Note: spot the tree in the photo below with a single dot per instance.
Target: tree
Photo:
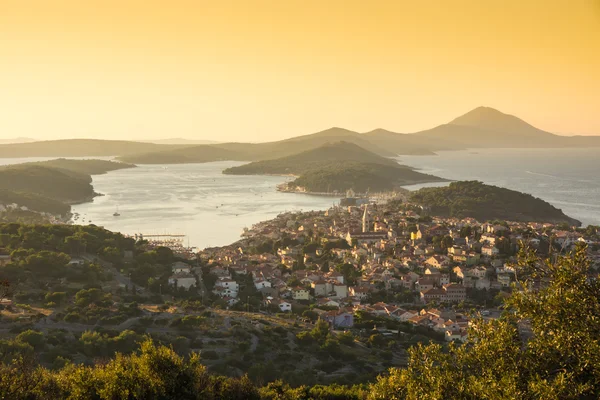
(560, 359)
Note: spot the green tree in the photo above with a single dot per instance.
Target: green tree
(558, 359)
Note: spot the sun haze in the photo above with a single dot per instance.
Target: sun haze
(265, 70)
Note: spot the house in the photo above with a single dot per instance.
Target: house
(460, 272)
(327, 303)
(284, 306)
(455, 293)
(359, 237)
(403, 317)
(230, 300)
(300, 294)
(433, 294)
(226, 287)
(360, 292)
(182, 279)
(339, 319)
(320, 287)
(504, 280)
(490, 251)
(341, 291)
(424, 284)
(336, 275)
(456, 335)
(478, 272)
(180, 267)
(76, 261)
(488, 238)
(450, 293)
(437, 261)
(261, 284)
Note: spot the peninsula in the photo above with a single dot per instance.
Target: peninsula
(486, 202)
(50, 186)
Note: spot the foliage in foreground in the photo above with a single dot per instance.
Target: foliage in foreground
(546, 347)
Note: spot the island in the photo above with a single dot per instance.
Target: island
(486, 202)
(335, 168)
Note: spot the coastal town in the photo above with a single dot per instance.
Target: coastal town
(347, 292)
(388, 260)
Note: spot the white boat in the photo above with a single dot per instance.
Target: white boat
(116, 213)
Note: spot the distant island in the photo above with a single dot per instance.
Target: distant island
(51, 186)
(337, 167)
(486, 202)
(482, 127)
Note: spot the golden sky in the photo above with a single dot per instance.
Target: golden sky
(263, 70)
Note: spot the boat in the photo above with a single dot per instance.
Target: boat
(116, 213)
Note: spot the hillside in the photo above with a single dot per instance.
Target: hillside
(407, 144)
(49, 186)
(485, 202)
(336, 167)
(253, 151)
(88, 167)
(485, 127)
(187, 155)
(53, 183)
(482, 127)
(34, 202)
(325, 155)
(79, 148)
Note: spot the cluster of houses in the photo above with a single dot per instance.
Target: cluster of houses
(396, 252)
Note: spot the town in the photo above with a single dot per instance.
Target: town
(388, 260)
(345, 292)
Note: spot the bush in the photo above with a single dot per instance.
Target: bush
(209, 355)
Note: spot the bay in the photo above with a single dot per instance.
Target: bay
(195, 200)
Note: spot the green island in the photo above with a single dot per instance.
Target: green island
(50, 186)
(486, 202)
(337, 167)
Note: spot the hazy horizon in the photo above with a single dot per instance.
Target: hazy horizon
(267, 70)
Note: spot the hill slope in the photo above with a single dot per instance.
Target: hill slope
(360, 177)
(319, 157)
(337, 167)
(486, 127)
(49, 186)
(187, 155)
(79, 148)
(485, 202)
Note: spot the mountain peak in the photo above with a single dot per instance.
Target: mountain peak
(490, 119)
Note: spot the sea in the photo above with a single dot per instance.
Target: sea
(212, 209)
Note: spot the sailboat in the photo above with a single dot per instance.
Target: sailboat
(116, 213)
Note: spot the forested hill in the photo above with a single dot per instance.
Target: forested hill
(485, 202)
(324, 156)
(360, 177)
(79, 148)
(188, 155)
(49, 186)
(88, 167)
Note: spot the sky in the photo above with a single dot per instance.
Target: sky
(265, 70)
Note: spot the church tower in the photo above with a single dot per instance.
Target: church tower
(365, 219)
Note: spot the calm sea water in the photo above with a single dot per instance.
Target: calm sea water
(197, 200)
(567, 178)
